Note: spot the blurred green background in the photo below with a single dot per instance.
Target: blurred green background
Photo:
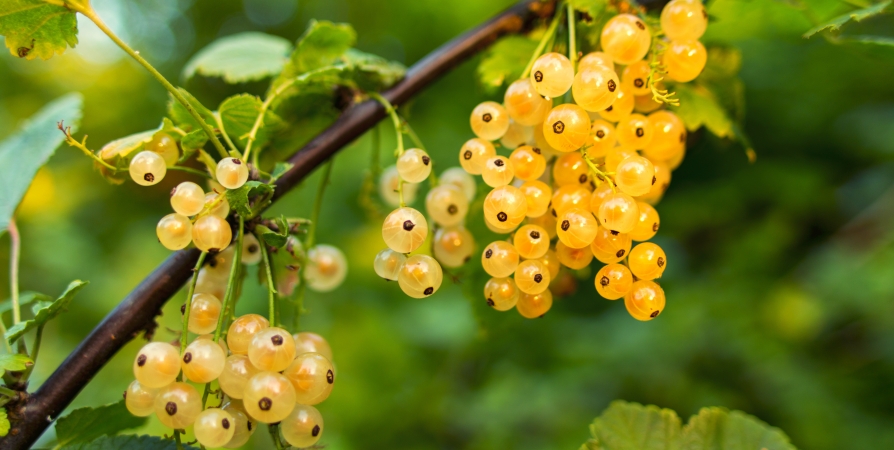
(780, 284)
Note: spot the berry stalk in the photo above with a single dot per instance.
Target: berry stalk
(231, 282)
(271, 289)
(16, 244)
(550, 32)
(310, 240)
(188, 305)
(259, 122)
(572, 37)
(398, 131)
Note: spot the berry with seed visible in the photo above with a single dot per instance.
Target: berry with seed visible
(621, 108)
(237, 370)
(532, 277)
(552, 75)
(577, 227)
(174, 231)
(414, 165)
(271, 349)
(571, 169)
(613, 281)
(647, 223)
(527, 163)
(618, 213)
(505, 207)
(188, 198)
(635, 132)
(203, 361)
(626, 39)
(647, 261)
(500, 259)
(214, 427)
(388, 263)
(157, 364)
(474, 153)
(595, 88)
(636, 78)
(524, 104)
(420, 276)
(501, 293)
(645, 300)
(269, 397)
(566, 127)
(178, 405)
(147, 168)
(602, 139)
(211, 233)
(242, 330)
(531, 241)
(489, 121)
(635, 175)
(251, 250)
(232, 173)
(244, 427)
(532, 306)
(404, 230)
(609, 247)
(303, 427)
(497, 171)
(312, 376)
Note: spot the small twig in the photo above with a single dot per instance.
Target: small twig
(231, 282)
(16, 244)
(83, 147)
(550, 32)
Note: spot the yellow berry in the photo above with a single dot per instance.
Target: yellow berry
(524, 104)
(414, 165)
(635, 175)
(326, 268)
(157, 364)
(566, 127)
(636, 78)
(214, 427)
(497, 172)
(595, 88)
(446, 205)
(269, 397)
(501, 293)
(237, 370)
(420, 277)
(505, 207)
(453, 246)
(147, 168)
(232, 173)
(532, 306)
(647, 261)
(602, 139)
(573, 258)
(166, 147)
(577, 227)
(203, 361)
(388, 263)
(566, 197)
(211, 233)
(645, 300)
(609, 247)
(499, 259)
(203, 313)
(221, 208)
(647, 223)
(174, 231)
(552, 75)
(635, 131)
(538, 195)
(621, 108)
(489, 121)
(139, 399)
(312, 375)
(532, 277)
(618, 213)
(303, 427)
(177, 405)
(517, 135)
(685, 60)
(662, 181)
(271, 349)
(669, 136)
(474, 153)
(595, 59)
(389, 182)
(598, 196)
(459, 178)
(613, 281)
(244, 426)
(527, 163)
(404, 230)
(188, 198)
(531, 241)
(547, 221)
(242, 330)
(684, 19)
(571, 169)
(626, 39)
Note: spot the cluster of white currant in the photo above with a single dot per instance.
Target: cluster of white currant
(270, 376)
(609, 164)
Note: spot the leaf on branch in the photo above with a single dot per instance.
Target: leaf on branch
(279, 169)
(592, 8)
(239, 198)
(857, 16)
(238, 114)
(241, 57)
(87, 424)
(34, 28)
(717, 428)
(14, 363)
(372, 72)
(4, 423)
(23, 153)
(130, 442)
(633, 426)
(504, 62)
(191, 142)
(182, 118)
(699, 106)
(122, 147)
(45, 311)
(25, 298)
(273, 238)
(321, 45)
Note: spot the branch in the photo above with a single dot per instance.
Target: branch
(137, 311)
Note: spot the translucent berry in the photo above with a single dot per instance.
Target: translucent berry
(524, 104)
(635, 175)
(271, 349)
(404, 230)
(552, 75)
(242, 330)
(211, 233)
(613, 281)
(147, 168)
(312, 375)
(602, 139)
(621, 108)
(626, 39)
(636, 78)
(269, 397)
(647, 224)
(210, 284)
(685, 60)
(474, 153)
(237, 370)
(139, 399)
(244, 427)
(166, 147)
(647, 261)
(232, 173)
(675, 161)
(540, 142)
(414, 165)
(214, 427)
(532, 277)
(219, 208)
(618, 213)
(489, 121)
(538, 195)
(517, 135)
(571, 169)
(303, 427)
(527, 163)
(388, 263)
(177, 405)
(203, 313)
(645, 300)
(532, 306)
(547, 221)
(453, 246)
(174, 231)
(669, 136)
(326, 268)
(218, 264)
(609, 247)
(566, 197)
(388, 185)
(157, 364)
(645, 104)
(573, 258)
(566, 127)
(595, 59)
(203, 361)
(497, 171)
(420, 277)
(684, 19)
(662, 181)
(307, 342)
(505, 207)
(598, 196)
(531, 241)
(458, 177)
(616, 155)
(577, 227)
(499, 259)
(635, 132)
(188, 198)
(595, 88)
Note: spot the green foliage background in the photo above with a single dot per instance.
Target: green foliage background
(780, 287)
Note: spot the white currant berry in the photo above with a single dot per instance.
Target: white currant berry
(388, 185)
(326, 268)
(404, 230)
(203, 361)
(177, 405)
(232, 173)
(188, 198)
(238, 369)
(414, 165)
(303, 427)
(446, 205)
(139, 399)
(147, 168)
(388, 263)
(211, 233)
(269, 397)
(251, 250)
(157, 364)
(460, 178)
(271, 349)
(214, 427)
(204, 313)
(174, 231)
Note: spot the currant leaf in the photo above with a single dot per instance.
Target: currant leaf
(279, 169)
(593, 8)
(239, 199)
(34, 28)
(14, 363)
(321, 45)
(842, 20)
(371, 72)
(191, 142)
(274, 238)
(182, 118)
(24, 152)
(631, 426)
(25, 298)
(504, 62)
(4, 423)
(130, 442)
(241, 57)
(238, 114)
(699, 106)
(123, 147)
(45, 311)
(87, 424)
(719, 429)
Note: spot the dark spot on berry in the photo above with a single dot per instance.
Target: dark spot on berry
(604, 281)
(315, 431)
(426, 160)
(640, 25)
(149, 177)
(488, 253)
(173, 191)
(614, 233)
(612, 86)
(187, 358)
(225, 423)
(276, 340)
(654, 179)
(538, 278)
(660, 262)
(452, 209)
(682, 137)
(248, 424)
(252, 248)
(582, 178)
(609, 109)
(499, 163)
(558, 127)
(535, 234)
(409, 225)
(704, 14)
(654, 314)
(141, 360)
(554, 213)
(600, 134)
(639, 82)
(538, 76)
(537, 150)
(182, 309)
(490, 302)
(620, 253)
(467, 259)
(592, 185)
(171, 408)
(655, 226)
(502, 217)
(429, 291)
(330, 376)
(487, 117)
(237, 161)
(566, 225)
(467, 155)
(265, 404)
(640, 132)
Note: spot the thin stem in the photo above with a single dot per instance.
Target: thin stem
(231, 282)
(9, 392)
(274, 434)
(310, 240)
(223, 131)
(398, 131)
(572, 37)
(38, 336)
(599, 173)
(89, 13)
(550, 32)
(259, 122)
(188, 305)
(82, 145)
(16, 243)
(413, 136)
(191, 170)
(271, 288)
(177, 438)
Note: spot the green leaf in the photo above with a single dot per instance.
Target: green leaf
(591, 7)
(191, 142)
(273, 238)
(371, 72)
(34, 28)
(23, 153)
(25, 298)
(723, 63)
(321, 45)
(505, 61)
(14, 363)
(129, 442)
(4, 423)
(239, 113)
(47, 312)
(182, 118)
(591, 444)
(239, 198)
(87, 424)
(699, 106)
(279, 169)
(631, 426)
(241, 57)
(124, 146)
(857, 16)
(718, 429)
